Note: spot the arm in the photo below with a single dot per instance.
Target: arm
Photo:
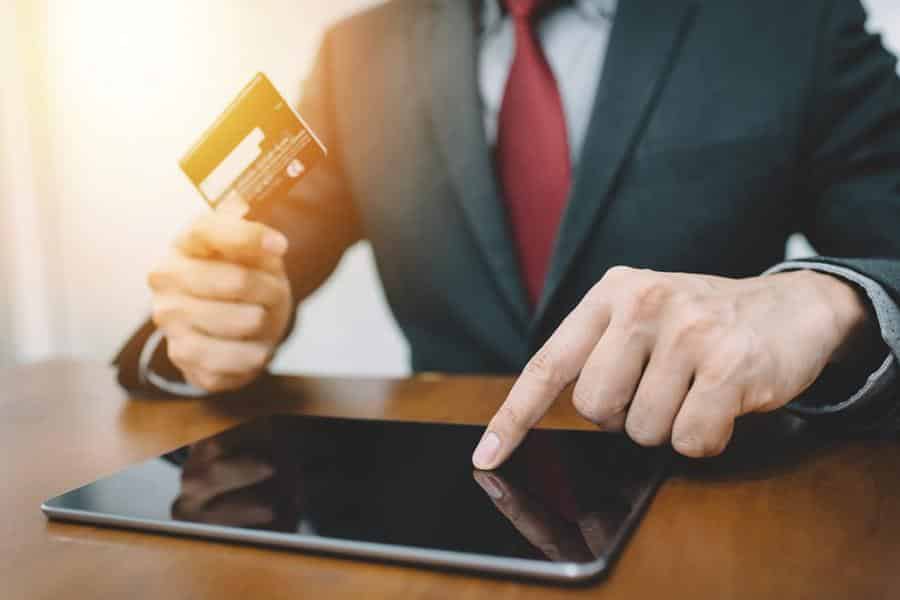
(852, 188)
(672, 357)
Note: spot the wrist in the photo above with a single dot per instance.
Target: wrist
(848, 310)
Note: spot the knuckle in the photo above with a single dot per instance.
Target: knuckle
(210, 381)
(763, 398)
(219, 383)
(618, 274)
(639, 430)
(198, 230)
(719, 370)
(243, 237)
(695, 444)
(238, 235)
(597, 295)
(237, 284)
(251, 321)
(648, 299)
(595, 292)
(590, 412)
(598, 405)
(582, 400)
(513, 417)
(164, 311)
(225, 234)
(544, 369)
(586, 405)
(688, 445)
(587, 411)
(183, 350)
(694, 326)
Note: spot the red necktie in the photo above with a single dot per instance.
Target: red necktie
(532, 150)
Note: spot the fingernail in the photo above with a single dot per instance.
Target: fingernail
(274, 243)
(487, 482)
(486, 450)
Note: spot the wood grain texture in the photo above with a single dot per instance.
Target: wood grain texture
(786, 513)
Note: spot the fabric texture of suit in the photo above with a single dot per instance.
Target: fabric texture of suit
(719, 129)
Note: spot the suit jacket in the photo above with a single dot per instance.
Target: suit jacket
(719, 129)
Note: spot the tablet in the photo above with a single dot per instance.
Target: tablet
(561, 508)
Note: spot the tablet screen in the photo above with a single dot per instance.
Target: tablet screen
(564, 496)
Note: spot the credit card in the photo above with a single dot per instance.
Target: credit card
(257, 149)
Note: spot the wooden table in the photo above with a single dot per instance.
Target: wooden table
(786, 513)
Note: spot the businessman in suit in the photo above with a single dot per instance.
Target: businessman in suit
(588, 191)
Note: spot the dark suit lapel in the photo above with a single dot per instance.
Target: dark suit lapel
(645, 37)
(450, 38)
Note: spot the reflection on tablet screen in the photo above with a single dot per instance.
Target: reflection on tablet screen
(563, 496)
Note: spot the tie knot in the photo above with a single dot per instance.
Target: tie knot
(525, 9)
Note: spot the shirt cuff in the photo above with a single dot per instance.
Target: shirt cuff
(149, 377)
(883, 379)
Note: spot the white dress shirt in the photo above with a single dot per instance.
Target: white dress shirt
(574, 37)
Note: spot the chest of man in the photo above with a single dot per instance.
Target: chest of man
(691, 160)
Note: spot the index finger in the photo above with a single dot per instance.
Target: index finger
(233, 239)
(551, 369)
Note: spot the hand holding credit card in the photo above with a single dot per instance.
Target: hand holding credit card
(258, 148)
(222, 299)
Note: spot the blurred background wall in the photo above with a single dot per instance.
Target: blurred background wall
(98, 100)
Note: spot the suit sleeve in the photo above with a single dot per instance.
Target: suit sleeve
(851, 155)
(318, 216)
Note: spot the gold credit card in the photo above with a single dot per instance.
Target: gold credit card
(258, 148)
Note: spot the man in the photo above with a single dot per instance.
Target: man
(504, 158)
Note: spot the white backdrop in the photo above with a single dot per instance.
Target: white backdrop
(128, 87)
(99, 99)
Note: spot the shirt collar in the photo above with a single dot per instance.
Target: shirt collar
(492, 11)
